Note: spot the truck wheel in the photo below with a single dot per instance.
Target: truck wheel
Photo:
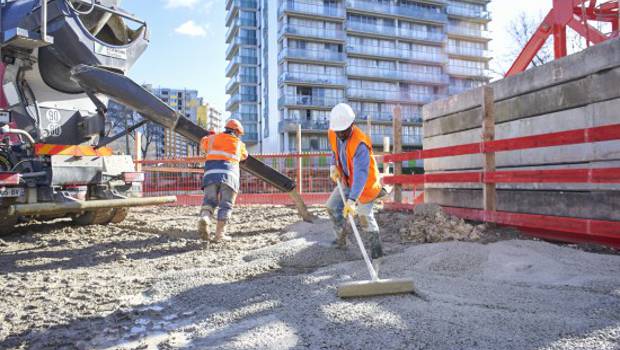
(95, 217)
(8, 224)
(119, 215)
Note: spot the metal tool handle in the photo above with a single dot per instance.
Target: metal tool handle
(358, 238)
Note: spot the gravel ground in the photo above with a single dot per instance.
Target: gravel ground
(149, 283)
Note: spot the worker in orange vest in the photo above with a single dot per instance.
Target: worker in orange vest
(355, 167)
(220, 183)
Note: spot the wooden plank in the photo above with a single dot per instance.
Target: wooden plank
(137, 150)
(489, 192)
(300, 179)
(397, 128)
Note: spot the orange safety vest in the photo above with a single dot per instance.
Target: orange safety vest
(224, 147)
(372, 188)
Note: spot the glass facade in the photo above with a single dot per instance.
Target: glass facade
(373, 54)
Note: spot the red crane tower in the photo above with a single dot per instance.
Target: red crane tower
(576, 14)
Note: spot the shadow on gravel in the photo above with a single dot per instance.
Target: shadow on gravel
(96, 254)
(284, 312)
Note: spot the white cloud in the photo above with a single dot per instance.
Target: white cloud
(182, 3)
(208, 6)
(192, 29)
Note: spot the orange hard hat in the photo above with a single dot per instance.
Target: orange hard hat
(234, 124)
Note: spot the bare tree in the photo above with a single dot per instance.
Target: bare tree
(521, 29)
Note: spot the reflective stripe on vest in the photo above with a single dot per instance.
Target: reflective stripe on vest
(372, 188)
(222, 171)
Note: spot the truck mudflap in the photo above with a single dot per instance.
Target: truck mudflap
(125, 91)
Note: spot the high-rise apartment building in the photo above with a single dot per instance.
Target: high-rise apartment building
(166, 142)
(291, 61)
(210, 118)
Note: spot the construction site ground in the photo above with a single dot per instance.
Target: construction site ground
(150, 283)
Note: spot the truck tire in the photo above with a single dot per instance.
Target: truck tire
(119, 215)
(95, 217)
(8, 224)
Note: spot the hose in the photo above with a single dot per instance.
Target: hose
(91, 9)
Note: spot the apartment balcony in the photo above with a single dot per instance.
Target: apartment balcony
(407, 140)
(234, 82)
(312, 55)
(314, 32)
(236, 24)
(238, 98)
(469, 72)
(238, 41)
(388, 116)
(309, 101)
(390, 74)
(250, 137)
(410, 55)
(470, 33)
(371, 28)
(311, 8)
(382, 95)
(234, 63)
(313, 78)
(462, 11)
(245, 117)
(469, 52)
(290, 125)
(422, 35)
(243, 4)
(398, 10)
(421, 13)
(455, 90)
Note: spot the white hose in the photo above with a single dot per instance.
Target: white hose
(91, 9)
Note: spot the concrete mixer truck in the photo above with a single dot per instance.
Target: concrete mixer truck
(61, 60)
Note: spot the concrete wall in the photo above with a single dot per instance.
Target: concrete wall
(579, 91)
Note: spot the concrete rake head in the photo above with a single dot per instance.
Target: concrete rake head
(376, 287)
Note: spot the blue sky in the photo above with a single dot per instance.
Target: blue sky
(188, 47)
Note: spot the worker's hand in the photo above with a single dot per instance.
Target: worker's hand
(334, 174)
(350, 208)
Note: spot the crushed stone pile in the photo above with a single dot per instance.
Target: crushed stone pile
(430, 224)
(150, 283)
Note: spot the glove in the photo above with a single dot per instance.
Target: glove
(334, 174)
(350, 208)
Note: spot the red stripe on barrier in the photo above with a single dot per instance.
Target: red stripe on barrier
(595, 231)
(601, 175)
(597, 134)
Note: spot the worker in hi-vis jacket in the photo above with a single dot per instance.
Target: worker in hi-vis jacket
(355, 167)
(223, 151)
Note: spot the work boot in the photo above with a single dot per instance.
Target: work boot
(376, 250)
(341, 239)
(204, 223)
(220, 232)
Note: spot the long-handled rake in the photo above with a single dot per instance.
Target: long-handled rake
(374, 286)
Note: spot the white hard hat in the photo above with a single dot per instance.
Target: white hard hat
(341, 117)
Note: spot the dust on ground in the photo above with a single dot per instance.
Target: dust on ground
(150, 283)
